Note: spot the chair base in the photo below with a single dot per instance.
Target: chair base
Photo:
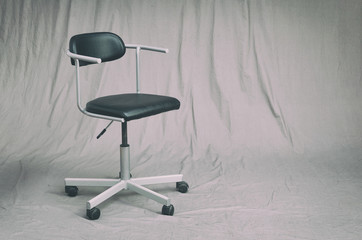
(125, 182)
(117, 185)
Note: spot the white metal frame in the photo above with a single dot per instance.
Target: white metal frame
(124, 182)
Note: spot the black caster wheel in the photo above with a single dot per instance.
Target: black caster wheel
(72, 191)
(168, 210)
(93, 214)
(182, 187)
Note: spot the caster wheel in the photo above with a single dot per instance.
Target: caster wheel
(93, 214)
(72, 191)
(168, 210)
(182, 187)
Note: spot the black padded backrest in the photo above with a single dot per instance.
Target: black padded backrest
(105, 45)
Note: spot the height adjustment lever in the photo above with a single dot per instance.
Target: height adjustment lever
(104, 130)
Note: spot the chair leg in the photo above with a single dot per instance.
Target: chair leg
(148, 193)
(158, 179)
(91, 182)
(106, 194)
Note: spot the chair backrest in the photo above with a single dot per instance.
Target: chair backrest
(105, 45)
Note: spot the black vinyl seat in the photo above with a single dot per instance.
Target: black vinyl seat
(131, 106)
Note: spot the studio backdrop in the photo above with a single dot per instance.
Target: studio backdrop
(267, 90)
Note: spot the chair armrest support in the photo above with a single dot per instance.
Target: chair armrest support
(138, 49)
(149, 48)
(83, 57)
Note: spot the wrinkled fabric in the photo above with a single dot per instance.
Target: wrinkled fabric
(268, 135)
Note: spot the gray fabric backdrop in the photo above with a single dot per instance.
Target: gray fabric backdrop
(268, 135)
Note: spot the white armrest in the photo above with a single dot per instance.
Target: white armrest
(83, 57)
(143, 47)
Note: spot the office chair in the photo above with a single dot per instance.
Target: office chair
(95, 48)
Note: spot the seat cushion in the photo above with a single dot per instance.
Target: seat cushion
(132, 106)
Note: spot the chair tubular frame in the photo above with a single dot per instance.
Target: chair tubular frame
(78, 57)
